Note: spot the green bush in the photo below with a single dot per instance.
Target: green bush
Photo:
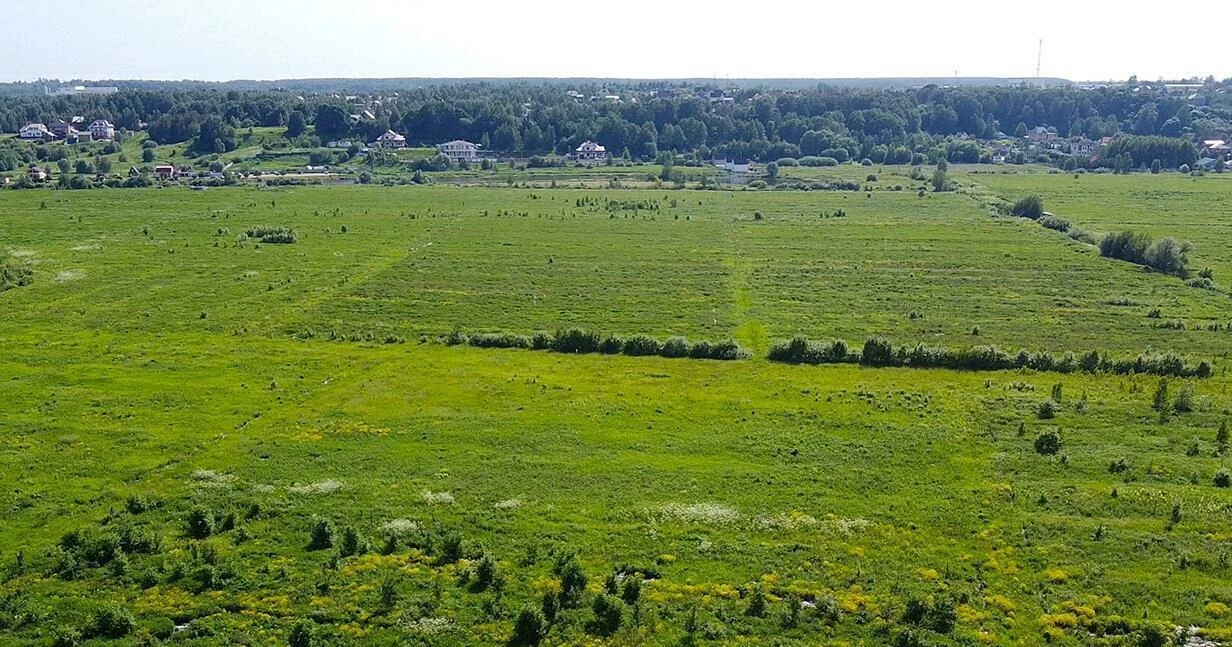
(14, 276)
(1048, 443)
(279, 235)
(1029, 207)
(110, 622)
(609, 615)
(611, 345)
(200, 523)
(642, 345)
(1223, 478)
(322, 534)
(1047, 409)
(529, 629)
(541, 340)
(575, 340)
(675, 347)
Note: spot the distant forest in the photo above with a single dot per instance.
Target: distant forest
(702, 119)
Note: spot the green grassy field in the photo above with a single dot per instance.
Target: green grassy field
(163, 370)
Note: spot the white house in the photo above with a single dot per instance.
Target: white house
(735, 165)
(459, 150)
(590, 151)
(1083, 148)
(341, 143)
(34, 131)
(390, 139)
(102, 130)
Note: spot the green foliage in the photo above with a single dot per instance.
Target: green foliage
(1048, 442)
(1029, 207)
(572, 581)
(13, 275)
(303, 634)
(279, 235)
(321, 534)
(529, 629)
(200, 523)
(1223, 478)
(608, 615)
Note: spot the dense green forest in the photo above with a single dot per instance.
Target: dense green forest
(643, 119)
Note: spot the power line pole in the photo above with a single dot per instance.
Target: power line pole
(1039, 57)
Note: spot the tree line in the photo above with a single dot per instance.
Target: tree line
(884, 125)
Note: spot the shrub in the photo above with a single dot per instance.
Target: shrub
(485, 571)
(609, 614)
(1125, 245)
(529, 629)
(14, 276)
(866, 162)
(110, 623)
(1169, 256)
(642, 345)
(200, 523)
(812, 160)
(757, 603)
(1223, 478)
(1047, 409)
(499, 340)
(1184, 400)
(611, 345)
(1118, 466)
(1081, 235)
(273, 235)
(572, 581)
(541, 340)
(575, 340)
(877, 352)
(1053, 222)
(1029, 207)
(1048, 443)
(675, 347)
(788, 161)
(301, 635)
(322, 534)
(352, 543)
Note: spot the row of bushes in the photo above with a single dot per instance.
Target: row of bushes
(578, 341)
(278, 235)
(880, 352)
(1166, 255)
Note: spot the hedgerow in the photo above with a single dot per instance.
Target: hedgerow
(580, 341)
(880, 352)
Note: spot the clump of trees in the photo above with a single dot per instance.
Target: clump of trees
(878, 351)
(1029, 207)
(1166, 255)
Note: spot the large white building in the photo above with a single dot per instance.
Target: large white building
(102, 130)
(34, 131)
(390, 139)
(460, 150)
(590, 151)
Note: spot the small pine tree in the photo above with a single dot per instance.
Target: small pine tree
(1221, 437)
(1160, 401)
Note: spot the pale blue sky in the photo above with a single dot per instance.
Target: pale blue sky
(270, 39)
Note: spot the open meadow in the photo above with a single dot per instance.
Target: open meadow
(235, 416)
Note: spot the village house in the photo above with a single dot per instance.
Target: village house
(459, 150)
(164, 172)
(590, 151)
(1041, 135)
(390, 139)
(34, 131)
(738, 165)
(1083, 148)
(134, 172)
(1215, 148)
(102, 130)
(62, 129)
(78, 137)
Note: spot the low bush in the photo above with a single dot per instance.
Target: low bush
(642, 345)
(675, 347)
(499, 340)
(14, 276)
(813, 160)
(1053, 222)
(279, 235)
(1029, 207)
(575, 340)
(1048, 442)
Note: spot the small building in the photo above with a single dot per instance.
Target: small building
(459, 150)
(134, 172)
(62, 129)
(390, 139)
(32, 131)
(102, 130)
(590, 151)
(1041, 135)
(164, 172)
(37, 174)
(738, 165)
(339, 143)
(78, 137)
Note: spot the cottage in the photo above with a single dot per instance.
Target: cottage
(34, 131)
(390, 139)
(164, 172)
(102, 130)
(62, 129)
(459, 150)
(1083, 148)
(134, 172)
(590, 151)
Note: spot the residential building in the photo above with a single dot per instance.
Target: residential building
(37, 174)
(339, 143)
(33, 131)
(133, 171)
(1083, 148)
(738, 165)
(78, 137)
(459, 150)
(390, 139)
(62, 129)
(590, 151)
(164, 172)
(102, 130)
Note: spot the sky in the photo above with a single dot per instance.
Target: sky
(218, 40)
